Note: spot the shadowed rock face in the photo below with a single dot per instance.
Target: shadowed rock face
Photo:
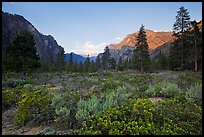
(125, 52)
(46, 45)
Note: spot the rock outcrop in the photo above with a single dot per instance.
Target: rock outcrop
(164, 49)
(154, 39)
(125, 48)
(157, 41)
(46, 45)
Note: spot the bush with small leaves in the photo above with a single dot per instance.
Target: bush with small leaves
(184, 118)
(190, 78)
(130, 118)
(94, 79)
(194, 94)
(10, 97)
(64, 105)
(15, 82)
(51, 131)
(115, 98)
(109, 83)
(61, 108)
(166, 89)
(142, 117)
(170, 89)
(153, 91)
(87, 107)
(31, 104)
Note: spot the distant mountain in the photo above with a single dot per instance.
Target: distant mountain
(125, 48)
(77, 58)
(157, 41)
(154, 39)
(46, 45)
(93, 58)
(164, 49)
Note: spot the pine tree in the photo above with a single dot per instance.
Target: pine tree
(71, 62)
(174, 55)
(98, 62)
(196, 36)
(120, 64)
(74, 67)
(71, 59)
(61, 63)
(142, 50)
(81, 66)
(106, 58)
(162, 61)
(130, 64)
(67, 68)
(134, 61)
(93, 66)
(21, 53)
(87, 64)
(180, 27)
(112, 63)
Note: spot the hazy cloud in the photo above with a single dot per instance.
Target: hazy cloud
(118, 38)
(90, 48)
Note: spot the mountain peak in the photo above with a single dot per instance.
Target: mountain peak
(154, 39)
(46, 45)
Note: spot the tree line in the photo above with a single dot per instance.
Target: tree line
(185, 53)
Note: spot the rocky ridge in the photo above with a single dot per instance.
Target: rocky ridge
(47, 47)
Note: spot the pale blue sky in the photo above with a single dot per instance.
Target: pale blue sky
(87, 27)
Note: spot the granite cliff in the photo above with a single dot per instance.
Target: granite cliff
(46, 45)
(157, 41)
(125, 48)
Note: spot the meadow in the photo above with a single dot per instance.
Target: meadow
(108, 103)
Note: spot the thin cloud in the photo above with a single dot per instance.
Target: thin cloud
(118, 38)
(90, 48)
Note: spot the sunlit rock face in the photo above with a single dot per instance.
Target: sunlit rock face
(125, 48)
(158, 42)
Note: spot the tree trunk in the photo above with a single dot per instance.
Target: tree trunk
(182, 30)
(142, 67)
(195, 57)
(182, 64)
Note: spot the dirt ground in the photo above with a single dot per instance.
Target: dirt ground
(9, 128)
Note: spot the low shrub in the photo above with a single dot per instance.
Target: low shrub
(10, 97)
(194, 94)
(61, 108)
(51, 131)
(87, 107)
(190, 78)
(170, 90)
(12, 83)
(183, 118)
(64, 106)
(142, 117)
(31, 104)
(115, 97)
(153, 91)
(110, 84)
(132, 118)
(166, 89)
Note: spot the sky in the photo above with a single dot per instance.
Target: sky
(87, 27)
